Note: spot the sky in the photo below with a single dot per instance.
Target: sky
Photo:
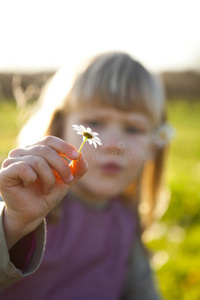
(43, 35)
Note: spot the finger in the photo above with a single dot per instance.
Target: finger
(17, 173)
(60, 146)
(79, 167)
(55, 160)
(41, 168)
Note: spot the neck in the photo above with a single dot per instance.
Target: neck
(87, 197)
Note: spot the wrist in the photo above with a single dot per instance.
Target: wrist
(14, 229)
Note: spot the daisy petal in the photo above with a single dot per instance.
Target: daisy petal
(94, 133)
(89, 130)
(83, 128)
(94, 143)
(97, 139)
(76, 127)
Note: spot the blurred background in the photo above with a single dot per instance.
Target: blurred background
(38, 37)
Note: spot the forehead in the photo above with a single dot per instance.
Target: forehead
(112, 114)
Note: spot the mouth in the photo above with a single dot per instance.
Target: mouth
(111, 168)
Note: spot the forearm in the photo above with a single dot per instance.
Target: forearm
(14, 230)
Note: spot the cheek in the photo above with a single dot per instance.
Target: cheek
(92, 156)
(139, 148)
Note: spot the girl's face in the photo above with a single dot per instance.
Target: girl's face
(127, 144)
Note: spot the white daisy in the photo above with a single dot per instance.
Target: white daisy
(88, 135)
(163, 135)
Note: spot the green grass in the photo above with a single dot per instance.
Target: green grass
(179, 277)
(9, 127)
(184, 163)
(178, 232)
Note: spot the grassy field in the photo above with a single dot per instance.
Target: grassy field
(8, 126)
(175, 238)
(177, 235)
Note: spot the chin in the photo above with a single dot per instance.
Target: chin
(106, 193)
(99, 187)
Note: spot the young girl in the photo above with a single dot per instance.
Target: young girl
(90, 246)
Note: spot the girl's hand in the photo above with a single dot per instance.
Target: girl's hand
(33, 180)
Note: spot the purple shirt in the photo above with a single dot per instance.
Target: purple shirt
(86, 256)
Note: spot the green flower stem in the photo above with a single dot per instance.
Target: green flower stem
(81, 146)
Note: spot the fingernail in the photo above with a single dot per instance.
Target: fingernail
(80, 156)
(75, 154)
(70, 179)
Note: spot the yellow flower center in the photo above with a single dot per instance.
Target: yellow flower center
(87, 135)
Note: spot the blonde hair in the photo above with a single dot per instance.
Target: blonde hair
(116, 79)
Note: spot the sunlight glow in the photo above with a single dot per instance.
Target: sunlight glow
(43, 34)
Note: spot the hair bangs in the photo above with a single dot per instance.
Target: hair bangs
(116, 80)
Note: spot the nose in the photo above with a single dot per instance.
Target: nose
(112, 139)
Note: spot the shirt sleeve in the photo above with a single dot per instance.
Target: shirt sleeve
(24, 258)
(140, 283)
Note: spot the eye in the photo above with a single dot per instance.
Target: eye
(134, 130)
(92, 123)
